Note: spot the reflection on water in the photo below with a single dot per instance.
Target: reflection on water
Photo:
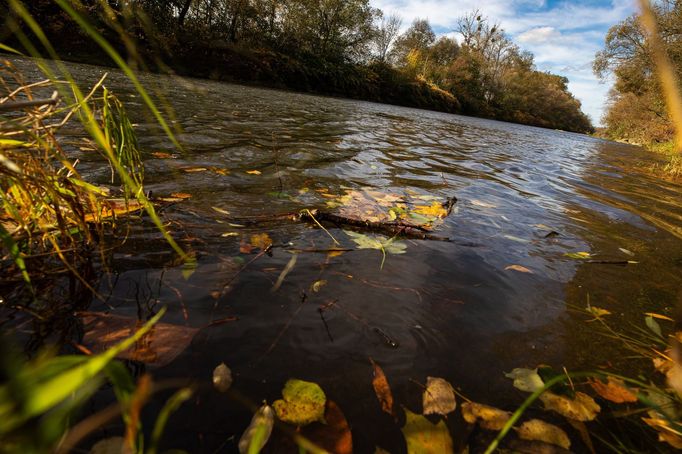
(452, 308)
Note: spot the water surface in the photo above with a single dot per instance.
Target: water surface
(452, 308)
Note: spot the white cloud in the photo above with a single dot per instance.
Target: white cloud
(538, 35)
(563, 38)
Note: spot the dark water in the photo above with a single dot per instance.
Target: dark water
(451, 307)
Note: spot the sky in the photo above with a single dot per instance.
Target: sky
(562, 35)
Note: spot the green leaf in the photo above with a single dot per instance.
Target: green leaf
(653, 325)
(526, 380)
(423, 437)
(303, 403)
(257, 434)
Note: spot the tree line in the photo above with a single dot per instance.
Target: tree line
(636, 109)
(339, 47)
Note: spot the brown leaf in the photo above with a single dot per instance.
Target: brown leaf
(162, 155)
(158, 347)
(261, 241)
(334, 436)
(537, 430)
(614, 390)
(519, 268)
(665, 432)
(194, 169)
(181, 195)
(439, 397)
(581, 408)
(382, 389)
(489, 417)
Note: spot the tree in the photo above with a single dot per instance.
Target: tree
(386, 33)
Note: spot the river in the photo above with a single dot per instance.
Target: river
(447, 309)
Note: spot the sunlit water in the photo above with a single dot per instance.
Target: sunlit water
(452, 308)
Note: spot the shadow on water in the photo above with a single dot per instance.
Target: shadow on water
(454, 310)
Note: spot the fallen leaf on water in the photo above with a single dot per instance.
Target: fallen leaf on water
(334, 436)
(194, 169)
(229, 234)
(160, 346)
(581, 408)
(578, 255)
(254, 172)
(112, 208)
(389, 245)
(258, 433)
(481, 204)
(626, 252)
(317, 285)
(439, 397)
(614, 390)
(162, 155)
(221, 211)
(659, 316)
(303, 402)
(181, 195)
(261, 241)
(422, 436)
(526, 380)
(490, 418)
(666, 433)
(222, 377)
(382, 389)
(537, 430)
(436, 209)
(219, 170)
(519, 268)
(333, 253)
(598, 312)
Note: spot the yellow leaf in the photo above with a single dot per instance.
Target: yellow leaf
(194, 169)
(253, 172)
(581, 408)
(439, 397)
(536, 430)
(519, 268)
(334, 253)
(597, 311)
(317, 285)
(490, 418)
(424, 437)
(665, 432)
(435, 210)
(181, 195)
(261, 241)
(162, 155)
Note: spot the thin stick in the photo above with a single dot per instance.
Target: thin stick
(320, 225)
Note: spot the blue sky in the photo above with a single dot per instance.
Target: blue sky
(563, 35)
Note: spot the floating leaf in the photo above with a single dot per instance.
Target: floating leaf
(614, 390)
(261, 241)
(334, 436)
(537, 430)
(653, 325)
(220, 210)
(436, 209)
(229, 234)
(423, 437)
(578, 255)
(194, 169)
(598, 312)
(666, 433)
(581, 408)
(481, 204)
(222, 377)
(162, 155)
(303, 403)
(439, 397)
(181, 195)
(161, 345)
(519, 268)
(526, 380)
(219, 170)
(254, 172)
(389, 246)
(659, 316)
(490, 418)
(317, 285)
(626, 252)
(334, 253)
(258, 433)
(382, 389)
